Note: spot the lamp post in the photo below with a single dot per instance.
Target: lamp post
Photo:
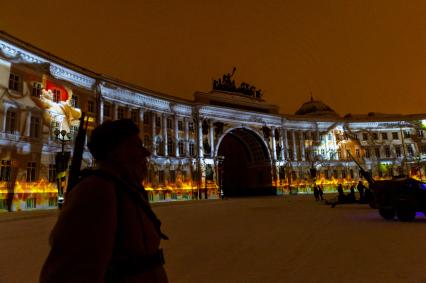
(61, 163)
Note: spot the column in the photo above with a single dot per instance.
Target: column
(114, 111)
(286, 145)
(282, 144)
(200, 137)
(28, 123)
(293, 134)
(154, 147)
(186, 137)
(302, 146)
(211, 139)
(274, 146)
(5, 108)
(176, 131)
(141, 123)
(165, 134)
(101, 111)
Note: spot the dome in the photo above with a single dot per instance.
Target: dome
(315, 108)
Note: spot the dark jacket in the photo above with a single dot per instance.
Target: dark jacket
(84, 237)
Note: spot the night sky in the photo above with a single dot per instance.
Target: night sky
(356, 56)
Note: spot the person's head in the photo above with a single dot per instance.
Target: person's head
(118, 143)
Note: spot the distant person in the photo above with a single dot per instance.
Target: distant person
(350, 198)
(341, 196)
(321, 192)
(361, 190)
(316, 192)
(107, 231)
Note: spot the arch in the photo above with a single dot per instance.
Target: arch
(247, 168)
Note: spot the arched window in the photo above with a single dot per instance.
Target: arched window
(181, 145)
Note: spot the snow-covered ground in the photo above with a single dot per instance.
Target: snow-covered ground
(264, 239)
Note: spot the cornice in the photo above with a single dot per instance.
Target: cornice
(57, 71)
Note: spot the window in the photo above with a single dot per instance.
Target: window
(3, 203)
(330, 137)
(377, 152)
(91, 106)
(395, 135)
(157, 122)
(74, 101)
(384, 136)
(36, 91)
(181, 148)
(410, 150)
(56, 95)
(35, 127)
(423, 149)
(169, 123)
(326, 174)
(420, 133)
(387, 151)
(107, 110)
(339, 153)
(5, 170)
(398, 151)
(172, 176)
(191, 149)
(53, 202)
(120, 113)
(52, 173)
(375, 136)
(180, 125)
(407, 134)
(351, 172)
(364, 136)
(14, 82)
(134, 116)
(11, 121)
(30, 203)
(343, 174)
(170, 147)
(160, 147)
(357, 153)
(146, 119)
(31, 171)
(367, 153)
(191, 127)
(161, 177)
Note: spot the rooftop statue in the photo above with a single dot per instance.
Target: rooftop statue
(226, 84)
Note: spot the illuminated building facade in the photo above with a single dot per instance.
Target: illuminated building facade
(223, 139)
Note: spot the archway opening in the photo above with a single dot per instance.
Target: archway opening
(247, 164)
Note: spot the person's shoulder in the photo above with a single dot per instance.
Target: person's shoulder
(93, 186)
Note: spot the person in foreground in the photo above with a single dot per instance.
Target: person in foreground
(107, 231)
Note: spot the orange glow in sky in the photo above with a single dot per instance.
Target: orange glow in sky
(356, 56)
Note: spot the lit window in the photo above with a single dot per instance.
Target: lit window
(30, 203)
(74, 101)
(14, 82)
(134, 116)
(31, 171)
(91, 106)
(181, 148)
(52, 173)
(56, 95)
(172, 176)
(120, 113)
(35, 127)
(36, 91)
(107, 110)
(161, 177)
(5, 170)
(11, 121)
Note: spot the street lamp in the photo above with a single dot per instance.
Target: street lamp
(61, 163)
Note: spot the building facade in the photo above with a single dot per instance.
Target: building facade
(223, 140)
